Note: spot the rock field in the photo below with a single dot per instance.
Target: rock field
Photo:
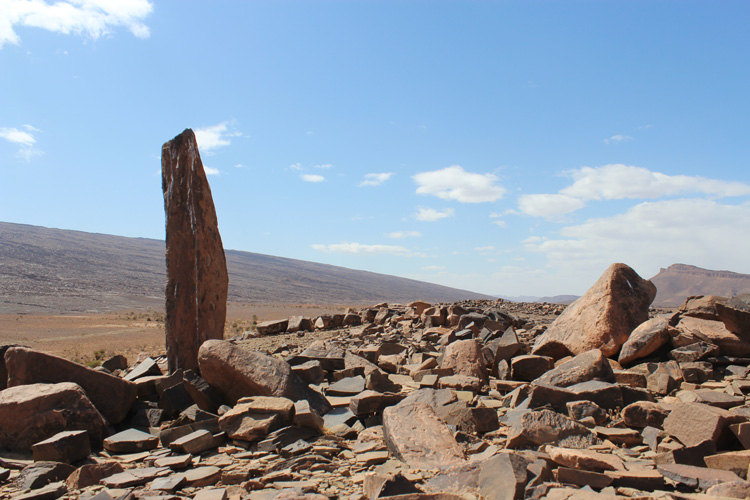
(473, 400)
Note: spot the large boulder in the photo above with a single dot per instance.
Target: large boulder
(464, 357)
(735, 313)
(713, 332)
(197, 279)
(645, 339)
(602, 318)
(417, 436)
(590, 365)
(238, 372)
(111, 395)
(35, 412)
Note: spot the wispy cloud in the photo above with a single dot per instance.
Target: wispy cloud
(312, 178)
(454, 183)
(210, 170)
(618, 138)
(362, 249)
(24, 139)
(400, 235)
(432, 215)
(324, 166)
(486, 249)
(375, 179)
(215, 136)
(296, 166)
(91, 18)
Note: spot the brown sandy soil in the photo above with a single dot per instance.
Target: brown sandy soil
(84, 338)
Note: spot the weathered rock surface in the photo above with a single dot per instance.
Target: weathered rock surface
(602, 318)
(589, 365)
(32, 413)
(111, 395)
(238, 372)
(415, 435)
(197, 280)
(645, 339)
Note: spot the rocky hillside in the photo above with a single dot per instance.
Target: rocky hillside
(679, 281)
(478, 400)
(51, 270)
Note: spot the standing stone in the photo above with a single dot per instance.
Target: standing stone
(197, 280)
(603, 318)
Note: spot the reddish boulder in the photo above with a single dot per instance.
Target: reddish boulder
(603, 318)
(197, 280)
(714, 332)
(35, 412)
(417, 436)
(645, 339)
(464, 357)
(238, 372)
(111, 395)
(590, 365)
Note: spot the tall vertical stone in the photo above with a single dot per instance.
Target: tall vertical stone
(197, 281)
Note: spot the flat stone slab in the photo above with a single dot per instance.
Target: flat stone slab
(203, 476)
(177, 462)
(193, 443)
(696, 477)
(348, 386)
(130, 441)
(66, 446)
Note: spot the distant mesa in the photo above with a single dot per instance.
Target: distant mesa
(679, 281)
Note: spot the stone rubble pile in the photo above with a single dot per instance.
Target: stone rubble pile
(472, 400)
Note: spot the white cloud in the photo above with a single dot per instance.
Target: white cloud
(500, 223)
(432, 215)
(312, 178)
(23, 138)
(375, 179)
(618, 138)
(324, 166)
(361, 249)
(454, 183)
(656, 234)
(210, 170)
(92, 18)
(240, 165)
(215, 136)
(16, 136)
(296, 166)
(399, 235)
(485, 249)
(618, 181)
(548, 205)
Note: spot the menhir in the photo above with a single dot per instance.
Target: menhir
(197, 281)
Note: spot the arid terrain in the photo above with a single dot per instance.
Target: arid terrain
(86, 338)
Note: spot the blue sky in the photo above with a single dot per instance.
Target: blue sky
(513, 148)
